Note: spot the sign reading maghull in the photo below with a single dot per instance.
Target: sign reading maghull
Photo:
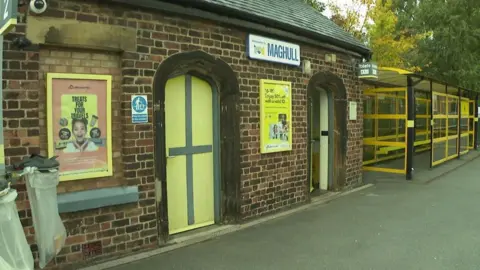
(79, 124)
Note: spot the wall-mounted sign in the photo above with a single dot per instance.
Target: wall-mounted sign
(275, 116)
(8, 15)
(139, 109)
(367, 70)
(79, 124)
(267, 49)
(353, 110)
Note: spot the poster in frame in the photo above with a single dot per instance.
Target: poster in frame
(79, 124)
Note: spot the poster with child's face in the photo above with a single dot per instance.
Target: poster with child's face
(275, 116)
(79, 127)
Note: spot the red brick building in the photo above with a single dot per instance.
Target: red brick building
(145, 45)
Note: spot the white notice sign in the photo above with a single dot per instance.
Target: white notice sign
(353, 110)
(139, 109)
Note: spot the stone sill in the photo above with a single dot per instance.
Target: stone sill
(97, 198)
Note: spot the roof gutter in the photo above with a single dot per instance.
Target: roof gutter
(262, 20)
(245, 22)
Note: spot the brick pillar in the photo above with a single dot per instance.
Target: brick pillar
(21, 97)
(138, 147)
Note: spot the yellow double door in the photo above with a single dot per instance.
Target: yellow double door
(189, 137)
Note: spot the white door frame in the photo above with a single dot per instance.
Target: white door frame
(324, 139)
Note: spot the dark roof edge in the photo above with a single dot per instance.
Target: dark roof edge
(325, 42)
(272, 23)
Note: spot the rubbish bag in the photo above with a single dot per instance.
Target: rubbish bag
(15, 253)
(37, 161)
(50, 232)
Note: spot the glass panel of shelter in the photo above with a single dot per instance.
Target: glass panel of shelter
(385, 129)
(440, 120)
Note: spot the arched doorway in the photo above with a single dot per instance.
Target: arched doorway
(208, 84)
(327, 132)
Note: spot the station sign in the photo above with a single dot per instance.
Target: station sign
(368, 70)
(267, 49)
(8, 13)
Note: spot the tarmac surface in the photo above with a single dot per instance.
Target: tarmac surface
(393, 225)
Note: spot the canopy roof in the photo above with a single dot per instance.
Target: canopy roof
(396, 77)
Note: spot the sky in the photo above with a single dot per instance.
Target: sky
(343, 4)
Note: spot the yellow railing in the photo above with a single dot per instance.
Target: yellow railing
(445, 127)
(450, 129)
(385, 125)
(471, 124)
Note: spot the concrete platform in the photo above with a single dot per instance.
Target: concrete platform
(393, 225)
(422, 172)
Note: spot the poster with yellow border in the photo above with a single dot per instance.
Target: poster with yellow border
(79, 124)
(275, 116)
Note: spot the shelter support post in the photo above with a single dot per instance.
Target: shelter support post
(459, 130)
(431, 122)
(410, 127)
(475, 123)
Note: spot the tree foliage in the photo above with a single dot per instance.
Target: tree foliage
(440, 38)
(391, 47)
(452, 53)
(405, 10)
(350, 17)
(320, 6)
(375, 22)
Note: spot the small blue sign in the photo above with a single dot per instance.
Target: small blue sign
(139, 109)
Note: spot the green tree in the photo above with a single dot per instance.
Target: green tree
(452, 52)
(351, 18)
(320, 6)
(390, 46)
(405, 10)
(375, 22)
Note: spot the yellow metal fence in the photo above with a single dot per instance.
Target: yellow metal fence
(385, 127)
(444, 127)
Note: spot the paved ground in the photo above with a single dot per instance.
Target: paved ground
(391, 226)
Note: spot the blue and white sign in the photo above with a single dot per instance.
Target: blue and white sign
(139, 109)
(262, 48)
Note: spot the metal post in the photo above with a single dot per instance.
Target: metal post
(2, 148)
(459, 124)
(410, 127)
(9, 19)
(475, 123)
(431, 123)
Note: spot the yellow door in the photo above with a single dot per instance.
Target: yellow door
(189, 151)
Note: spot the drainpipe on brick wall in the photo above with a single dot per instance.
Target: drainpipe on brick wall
(8, 20)
(2, 148)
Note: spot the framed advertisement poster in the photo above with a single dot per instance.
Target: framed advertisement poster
(79, 124)
(275, 116)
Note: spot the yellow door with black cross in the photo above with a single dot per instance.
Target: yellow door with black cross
(189, 139)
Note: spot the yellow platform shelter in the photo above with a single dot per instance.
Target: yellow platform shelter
(406, 114)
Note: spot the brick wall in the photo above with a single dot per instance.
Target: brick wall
(269, 182)
(118, 228)
(273, 181)
(57, 60)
